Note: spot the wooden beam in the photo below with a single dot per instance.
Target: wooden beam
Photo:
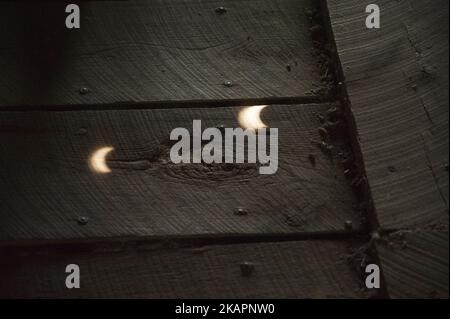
(47, 182)
(310, 269)
(146, 51)
(397, 82)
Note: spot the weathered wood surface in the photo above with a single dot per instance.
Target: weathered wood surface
(415, 264)
(310, 269)
(142, 51)
(46, 182)
(397, 81)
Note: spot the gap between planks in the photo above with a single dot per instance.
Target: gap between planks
(155, 105)
(9, 247)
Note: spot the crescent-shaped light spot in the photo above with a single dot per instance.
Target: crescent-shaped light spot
(98, 160)
(250, 117)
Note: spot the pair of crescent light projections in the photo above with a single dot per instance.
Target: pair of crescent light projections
(249, 118)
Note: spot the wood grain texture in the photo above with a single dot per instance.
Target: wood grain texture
(141, 51)
(311, 269)
(415, 264)
(397, 81)
(46, 182)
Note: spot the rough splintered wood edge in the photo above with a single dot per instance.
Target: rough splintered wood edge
(397, 83)
(415, 263)
(150, 51)
(305, 269)
(145, 196)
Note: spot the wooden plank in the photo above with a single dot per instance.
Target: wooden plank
(142, 51)
(415, 264)
(46, 182)
(310, 269)
(397, 82)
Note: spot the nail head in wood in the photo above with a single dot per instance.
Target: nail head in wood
(348, 225)
(221, 10)
(83, 90)
(228, 83)
(247, 268)
(82, 220)
(240, 211)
